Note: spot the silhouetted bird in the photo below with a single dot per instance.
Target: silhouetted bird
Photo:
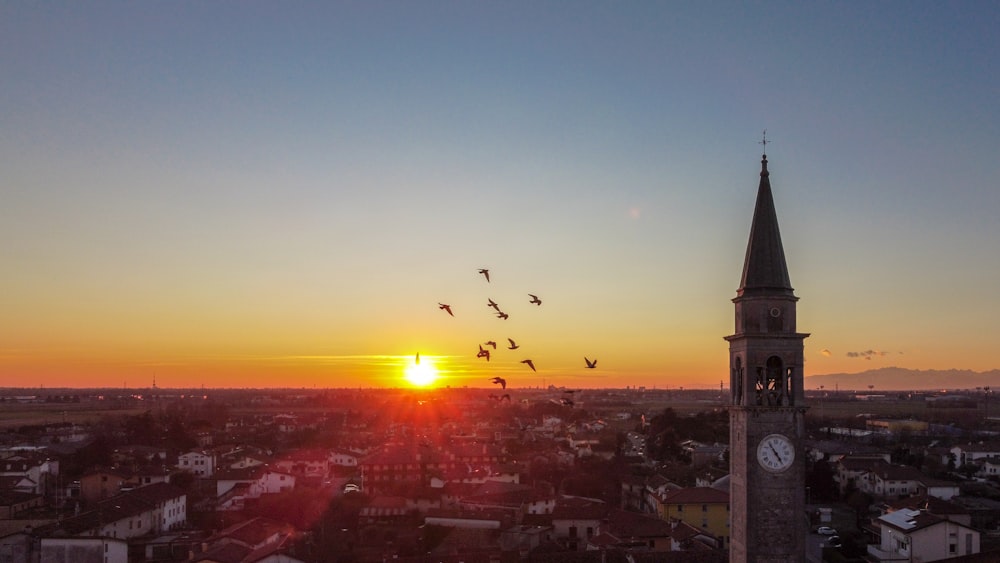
(492, 303)
(485, 273)
(513, 345)
(590, 364)
(491, 343)
(446, 308)
(483, 353)
(501, 381)
(502, 315)
(534, 299)
(530, 364)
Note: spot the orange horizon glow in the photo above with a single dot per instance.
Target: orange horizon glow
(702, 365)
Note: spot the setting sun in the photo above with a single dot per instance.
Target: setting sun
(420, 372)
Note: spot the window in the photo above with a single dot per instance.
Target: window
(680, 508)
(572, 531)
(774, 381)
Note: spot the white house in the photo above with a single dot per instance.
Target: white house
(200, 462)
(276, 482)
(256, 480)
(343, 459)
(33, 468)
(305, 463)
(906, 534)
(166, 503)
(146, 510)
(575, 521)
(990, 467)
(107, 550)
(969, 453)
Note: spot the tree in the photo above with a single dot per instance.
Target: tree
(819, 480)
(860, 501)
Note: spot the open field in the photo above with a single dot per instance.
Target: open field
(13, 415)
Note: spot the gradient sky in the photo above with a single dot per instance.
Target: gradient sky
(247, 194)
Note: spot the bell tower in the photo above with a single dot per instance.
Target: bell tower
(767, 407)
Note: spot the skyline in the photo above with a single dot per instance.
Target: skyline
(253, 196)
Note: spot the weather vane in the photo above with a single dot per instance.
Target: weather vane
(764, 140)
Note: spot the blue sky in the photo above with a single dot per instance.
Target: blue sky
(209, 188)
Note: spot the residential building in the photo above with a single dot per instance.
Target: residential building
(704, 508)
(575, 521)
(200, 462)
(105, 550)
(906, 534)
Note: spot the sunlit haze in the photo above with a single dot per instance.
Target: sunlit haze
(281, 195)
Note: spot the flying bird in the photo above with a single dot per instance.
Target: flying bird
(530, 364)
(492, 303)
(491, 343)
(534, 299)
(513, 345)
(485, 273)
(483, 353)
(446, 308)
(500, 381)
(502, 315)
(504, 396)
(590, 364)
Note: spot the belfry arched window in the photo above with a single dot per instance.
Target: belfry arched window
(789, 388)
(737, 381)
(775, 381)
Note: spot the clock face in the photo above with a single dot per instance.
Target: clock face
(775, 453)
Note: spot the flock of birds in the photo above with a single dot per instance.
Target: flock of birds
(486, 347)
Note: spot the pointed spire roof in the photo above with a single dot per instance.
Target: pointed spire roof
(764, 267)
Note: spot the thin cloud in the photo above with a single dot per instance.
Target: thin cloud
(867, 354)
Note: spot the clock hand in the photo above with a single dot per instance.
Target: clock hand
(776, 454)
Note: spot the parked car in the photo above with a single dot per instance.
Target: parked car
(826, 531)
(833, 541)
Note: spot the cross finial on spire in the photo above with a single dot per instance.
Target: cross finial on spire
(763, 159)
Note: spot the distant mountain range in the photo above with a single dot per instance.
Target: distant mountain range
(902, 379)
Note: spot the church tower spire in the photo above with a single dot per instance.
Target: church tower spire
(764, 267)
(767, 410)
